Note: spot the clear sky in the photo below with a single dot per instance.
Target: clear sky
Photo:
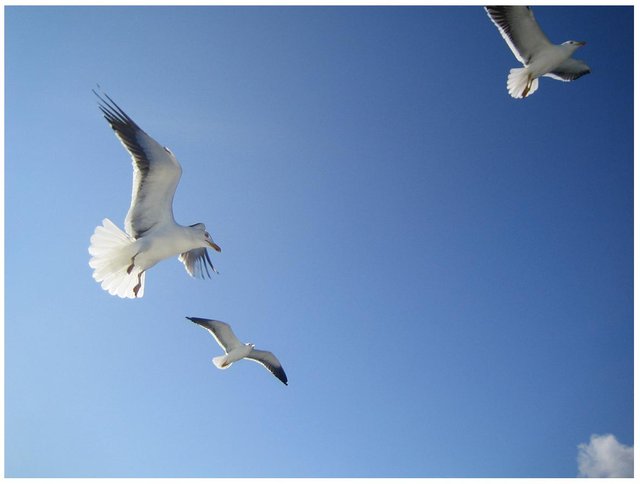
(445, 273)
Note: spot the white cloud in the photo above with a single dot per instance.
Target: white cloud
(604, 456)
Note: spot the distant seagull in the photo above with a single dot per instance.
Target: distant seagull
(121, 259)
(532, 47)
(234, 350)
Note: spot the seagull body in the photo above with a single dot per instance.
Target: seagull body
(235, 350)
(533, 49)
(121, 259)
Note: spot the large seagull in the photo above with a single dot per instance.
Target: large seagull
(234, 350)
(531, 46)
(120, 260)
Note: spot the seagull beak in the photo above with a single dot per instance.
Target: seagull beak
(214, 246)
(581, 43)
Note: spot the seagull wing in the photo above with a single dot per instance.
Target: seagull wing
(569, 70)
(156, 172)
(196, 261)
(520, 30)
(221, 332)
(270, 362)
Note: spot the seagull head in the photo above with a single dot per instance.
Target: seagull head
(205, 237)
(574, 44)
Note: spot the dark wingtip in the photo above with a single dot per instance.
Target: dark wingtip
(98, 95)
(208, 261)
(198, 321)
(113, 113)
(282, 376)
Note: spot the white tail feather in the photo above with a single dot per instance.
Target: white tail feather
(221, 362)
(112, 252)
(517, 83)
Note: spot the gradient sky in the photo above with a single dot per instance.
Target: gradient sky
(445, 273)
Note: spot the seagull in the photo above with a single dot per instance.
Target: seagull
(234, 350)
(531, 46)
(121, 259)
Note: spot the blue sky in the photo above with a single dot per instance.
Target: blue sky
(446, 273)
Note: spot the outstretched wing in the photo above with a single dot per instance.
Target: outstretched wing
(270, 362)
(221, 332)
(156, 172)
(520, 30)
(569, 70)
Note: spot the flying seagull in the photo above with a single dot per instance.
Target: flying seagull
(531, 46)
(120, 259)
(234, 350)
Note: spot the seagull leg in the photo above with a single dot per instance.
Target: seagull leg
(139, 285)
(133, 263)
(526, 89)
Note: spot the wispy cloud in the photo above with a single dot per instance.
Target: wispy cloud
(604, 456)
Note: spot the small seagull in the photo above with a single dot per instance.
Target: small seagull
(531, 46)
(120, 259)
(235, 350)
